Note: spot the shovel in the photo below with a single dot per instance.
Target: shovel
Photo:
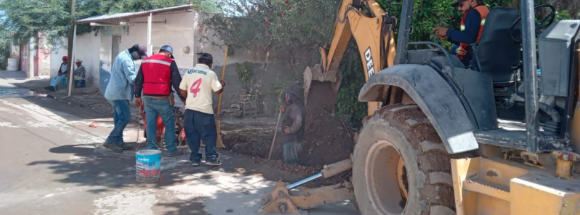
(219, 142)
(275, 133)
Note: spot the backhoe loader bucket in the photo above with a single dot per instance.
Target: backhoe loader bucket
(319, 90)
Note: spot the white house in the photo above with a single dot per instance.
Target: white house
(183, 28)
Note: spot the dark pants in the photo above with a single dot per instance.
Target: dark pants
(161, 107)
(291, 151)
(200, 126)
(121, 117)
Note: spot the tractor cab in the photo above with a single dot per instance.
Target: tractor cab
(495, 91)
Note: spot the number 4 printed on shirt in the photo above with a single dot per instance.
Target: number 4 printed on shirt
(195, 87)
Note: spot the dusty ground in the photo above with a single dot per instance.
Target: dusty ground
(53, 164)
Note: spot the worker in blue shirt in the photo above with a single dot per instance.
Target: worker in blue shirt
(474, 14)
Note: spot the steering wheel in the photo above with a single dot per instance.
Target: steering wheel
(541, 25)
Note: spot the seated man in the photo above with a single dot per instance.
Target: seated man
(474, 14)
(61, 75)
(80, 71)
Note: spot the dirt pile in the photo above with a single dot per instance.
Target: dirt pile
(327, 139)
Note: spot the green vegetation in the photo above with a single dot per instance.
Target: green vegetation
(297, 28)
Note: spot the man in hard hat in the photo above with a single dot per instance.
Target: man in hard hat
(120, 91)
(60, 76)
(199, 122)
(155, 78)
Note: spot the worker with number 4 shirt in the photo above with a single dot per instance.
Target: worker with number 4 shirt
(197, 87)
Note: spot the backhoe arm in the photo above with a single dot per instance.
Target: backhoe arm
(372, 31)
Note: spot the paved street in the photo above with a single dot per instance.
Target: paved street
(52, 163)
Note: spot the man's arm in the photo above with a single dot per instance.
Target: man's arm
(139, 83)
(469, 35)
(59, 70)
(176, 79)
(183, 88)
(217, 85)
(296, 116)
(183, 93)
(129, 69)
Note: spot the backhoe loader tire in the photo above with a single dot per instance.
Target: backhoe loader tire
(393, 132)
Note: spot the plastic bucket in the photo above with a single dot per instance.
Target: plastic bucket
(12, 64)
(148, 165)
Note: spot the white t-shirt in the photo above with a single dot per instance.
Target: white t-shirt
(200, 82)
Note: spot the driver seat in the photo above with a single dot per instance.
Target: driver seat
(497, 52)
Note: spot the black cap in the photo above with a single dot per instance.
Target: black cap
(455, 4)
(205, 56)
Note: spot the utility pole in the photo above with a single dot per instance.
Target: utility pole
(72, 4)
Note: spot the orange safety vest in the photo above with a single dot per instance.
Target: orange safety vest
(483, 11)
(157, 75)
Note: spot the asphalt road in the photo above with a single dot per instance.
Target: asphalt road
(52, 163)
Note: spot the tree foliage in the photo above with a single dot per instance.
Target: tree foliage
(281, 26)
(296, 28)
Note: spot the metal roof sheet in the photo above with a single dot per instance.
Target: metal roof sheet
(128, 15)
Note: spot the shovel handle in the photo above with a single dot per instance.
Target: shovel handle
(275, 133)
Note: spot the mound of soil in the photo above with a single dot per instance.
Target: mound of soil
(327, 139)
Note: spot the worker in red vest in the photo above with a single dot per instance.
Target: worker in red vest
(474, 14)
(155, 78)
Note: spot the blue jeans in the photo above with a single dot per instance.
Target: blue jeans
(200, 126)
(121, 117)
(161, 107)
(56, 80)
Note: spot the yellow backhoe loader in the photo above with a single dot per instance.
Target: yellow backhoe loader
(499, 138)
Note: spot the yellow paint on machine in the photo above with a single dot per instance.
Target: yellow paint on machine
(495, 187)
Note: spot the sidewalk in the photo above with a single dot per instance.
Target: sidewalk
(83, 97)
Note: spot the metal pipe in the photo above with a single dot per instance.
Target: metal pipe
(71, 75)
(404, 31)
(530, 70)
(303, 181)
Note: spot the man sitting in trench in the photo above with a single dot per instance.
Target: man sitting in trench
(293, 123)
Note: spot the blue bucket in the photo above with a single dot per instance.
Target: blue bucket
(148, 166)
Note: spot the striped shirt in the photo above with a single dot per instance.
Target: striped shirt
(80, 72)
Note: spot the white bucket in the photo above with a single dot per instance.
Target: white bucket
(12, 64)
(148, 165)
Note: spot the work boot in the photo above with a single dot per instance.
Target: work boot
(113, 147)
(176, 153)
(196, 163)
(216, 162)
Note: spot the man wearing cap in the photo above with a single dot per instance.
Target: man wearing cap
(80, 71)
(474, 14)
(199, 122)
(120, 91)
(61, 75)
(155, 78)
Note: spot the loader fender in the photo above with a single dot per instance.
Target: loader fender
(435, 98)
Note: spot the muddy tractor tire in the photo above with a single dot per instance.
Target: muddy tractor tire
(400, 165)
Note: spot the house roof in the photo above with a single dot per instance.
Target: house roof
(128, 15)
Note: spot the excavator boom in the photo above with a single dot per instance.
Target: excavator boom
(371, 28)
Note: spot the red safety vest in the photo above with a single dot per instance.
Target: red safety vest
(156, 75)
(483, 11)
